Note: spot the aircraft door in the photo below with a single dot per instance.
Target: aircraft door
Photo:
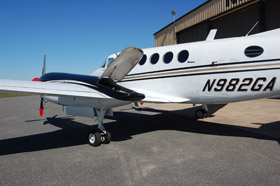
(212, 79)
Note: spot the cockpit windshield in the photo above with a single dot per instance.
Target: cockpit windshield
(110, 61)
(103, 66)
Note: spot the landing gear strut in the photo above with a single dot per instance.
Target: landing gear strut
(202, 113)
(100, 135)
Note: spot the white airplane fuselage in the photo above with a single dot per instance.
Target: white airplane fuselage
(213, 71)
(216, 71)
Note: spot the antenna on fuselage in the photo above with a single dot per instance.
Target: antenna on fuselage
(252, 28)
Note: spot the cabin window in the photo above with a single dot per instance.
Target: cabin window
(168, 57)
(154, 58)
(183, 56)
(254, 51)
(143, 60)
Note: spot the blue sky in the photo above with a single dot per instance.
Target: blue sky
(77, 35)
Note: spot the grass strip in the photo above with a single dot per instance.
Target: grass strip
(10, 95)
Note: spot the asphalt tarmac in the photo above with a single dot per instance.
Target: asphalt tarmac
(149, 147)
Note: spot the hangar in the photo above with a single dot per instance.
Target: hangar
(232, 18)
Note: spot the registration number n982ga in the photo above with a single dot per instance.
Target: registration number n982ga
(240, 85)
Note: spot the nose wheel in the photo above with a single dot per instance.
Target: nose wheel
(202, 113)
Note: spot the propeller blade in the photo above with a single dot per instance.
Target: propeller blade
(41, 110)
(44, 65)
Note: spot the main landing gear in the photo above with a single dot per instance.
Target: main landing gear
(100, 135)
(202, 113)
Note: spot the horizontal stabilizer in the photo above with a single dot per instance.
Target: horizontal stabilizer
(123, 64)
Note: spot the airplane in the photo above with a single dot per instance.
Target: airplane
(212, 71)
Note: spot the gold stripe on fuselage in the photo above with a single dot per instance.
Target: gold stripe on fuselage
(214, 68)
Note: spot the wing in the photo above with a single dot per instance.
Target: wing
(56, 89)
(105, 88)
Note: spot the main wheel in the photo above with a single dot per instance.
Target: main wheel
(107, 137)
(200, 114)
(94, 138)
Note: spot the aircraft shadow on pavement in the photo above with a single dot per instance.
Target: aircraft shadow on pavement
(127, 125)
(188, 112)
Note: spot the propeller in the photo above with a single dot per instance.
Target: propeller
(41, 109)
(137, 105)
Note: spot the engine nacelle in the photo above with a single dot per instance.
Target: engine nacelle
(85, 112)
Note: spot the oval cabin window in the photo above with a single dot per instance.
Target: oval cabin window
(254, 51)
(168, 57)
(183, 56)
(154, 58)
(143, 60)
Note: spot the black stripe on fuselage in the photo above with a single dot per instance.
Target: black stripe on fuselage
(200, 74)
(203, 66)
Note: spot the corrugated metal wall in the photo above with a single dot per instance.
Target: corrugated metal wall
(208, 10)
(166, 38)
(195, 33)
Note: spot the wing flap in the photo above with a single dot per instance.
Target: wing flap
(123, 64)
(46, 88)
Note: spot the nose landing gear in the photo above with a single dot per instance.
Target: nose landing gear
(202, 113)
